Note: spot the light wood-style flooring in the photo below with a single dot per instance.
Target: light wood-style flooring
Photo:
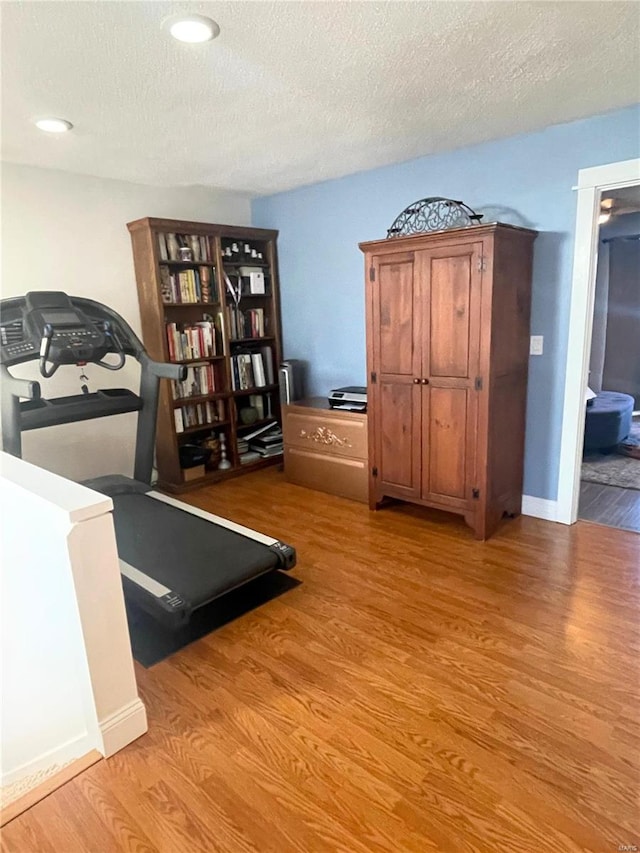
(418, 691)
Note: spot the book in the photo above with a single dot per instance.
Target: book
(197, 414)
(257, 401)
(200, 381)
(258, 369)
(249, 456)
(264, 428)
(267, 360)
(166, 290)
(265, 441)
(275, 450)
(243, 371)
(187, 341)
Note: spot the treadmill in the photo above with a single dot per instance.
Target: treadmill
(174, 558)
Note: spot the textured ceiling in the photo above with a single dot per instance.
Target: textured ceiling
(297, 92)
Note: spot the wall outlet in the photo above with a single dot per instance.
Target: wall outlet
(536, 345)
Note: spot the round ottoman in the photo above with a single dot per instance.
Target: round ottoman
(608, 421)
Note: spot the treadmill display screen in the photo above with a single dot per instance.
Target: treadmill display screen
(61, 318)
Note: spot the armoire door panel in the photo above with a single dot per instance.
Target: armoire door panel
(449, 327)
(451, 285)
(447, 446)
(398, 421)
(396, 328)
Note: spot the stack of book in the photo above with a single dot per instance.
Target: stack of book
(260, 443)
(200, 381)
(169, 247)
(191, 340)
(198, 414)
(246, 324)
(252, 369)
(189, 286)
(268, 443)
(246, 455)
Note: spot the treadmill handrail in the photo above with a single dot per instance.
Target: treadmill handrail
(163, 369)
(28, 389)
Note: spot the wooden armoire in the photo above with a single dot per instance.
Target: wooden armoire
(447, 358)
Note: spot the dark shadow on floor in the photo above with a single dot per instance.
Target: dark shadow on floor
(151, 642)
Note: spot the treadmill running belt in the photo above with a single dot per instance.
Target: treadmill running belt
(192, 557)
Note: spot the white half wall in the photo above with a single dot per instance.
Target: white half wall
(68, 232)
(68, 683)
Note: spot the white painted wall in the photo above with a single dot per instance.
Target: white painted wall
(68, 683)
(68, 232)
(46, 689)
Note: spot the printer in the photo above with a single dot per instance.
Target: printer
(352, 398)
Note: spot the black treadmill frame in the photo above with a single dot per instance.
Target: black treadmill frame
(23, 408)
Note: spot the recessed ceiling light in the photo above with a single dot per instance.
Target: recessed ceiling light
(53, 125)
(192, 28)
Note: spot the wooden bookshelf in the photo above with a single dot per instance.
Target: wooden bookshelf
(173, 291)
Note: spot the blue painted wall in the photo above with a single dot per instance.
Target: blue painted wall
(523, 180)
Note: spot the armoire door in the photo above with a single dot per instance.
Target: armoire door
(450, 282)
(394, 382)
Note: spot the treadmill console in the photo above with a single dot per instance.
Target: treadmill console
(65, 334)
(49, 326)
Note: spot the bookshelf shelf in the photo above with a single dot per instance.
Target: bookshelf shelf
(204, 427)
(190, 323)
(260, 463)
(256, 390)
(212, 477)
(201, 398)
(190, 304)
(186, 264)
(249, 263)
(250, 340)
(197, 360)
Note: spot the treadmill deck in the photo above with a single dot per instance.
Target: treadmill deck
(196, 559)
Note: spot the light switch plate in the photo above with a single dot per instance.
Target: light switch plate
(536, 345)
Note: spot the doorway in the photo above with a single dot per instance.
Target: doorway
(610, 470)
(594, 186)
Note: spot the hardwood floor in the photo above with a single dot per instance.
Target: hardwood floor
(419, 691)
(610, 505)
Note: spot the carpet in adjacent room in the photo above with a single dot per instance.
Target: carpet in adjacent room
(621, 468)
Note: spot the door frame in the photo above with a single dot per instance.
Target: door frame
(591, 183)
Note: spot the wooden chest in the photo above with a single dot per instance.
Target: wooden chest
(326, 449)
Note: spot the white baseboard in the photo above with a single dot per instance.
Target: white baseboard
(122, 727)
(50, 761)
(540, 508)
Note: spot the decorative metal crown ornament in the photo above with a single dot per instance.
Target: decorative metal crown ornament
(432, 214)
